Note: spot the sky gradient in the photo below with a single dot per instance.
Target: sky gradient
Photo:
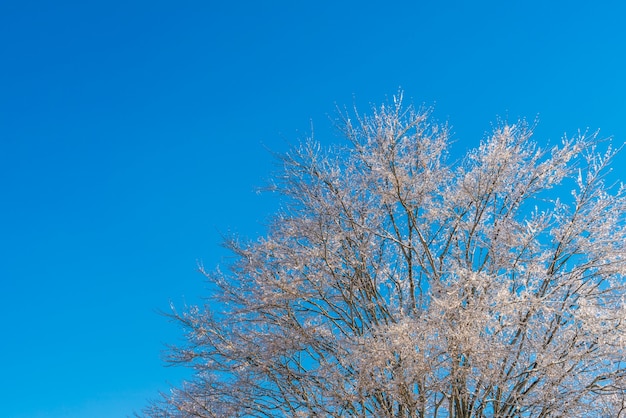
(134, 135)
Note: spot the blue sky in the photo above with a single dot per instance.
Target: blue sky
(134, 134)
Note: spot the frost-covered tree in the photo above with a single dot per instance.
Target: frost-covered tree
(397, 283)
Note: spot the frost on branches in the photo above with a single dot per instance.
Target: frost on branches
(397, 283)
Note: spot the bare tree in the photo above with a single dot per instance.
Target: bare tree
(394, 283)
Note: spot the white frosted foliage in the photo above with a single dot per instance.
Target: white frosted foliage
(396, 283)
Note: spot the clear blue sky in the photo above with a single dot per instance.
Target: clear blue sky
(133, 134)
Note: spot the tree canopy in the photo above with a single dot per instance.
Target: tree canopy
(398, 282)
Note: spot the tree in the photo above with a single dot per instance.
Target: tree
(394, 283)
